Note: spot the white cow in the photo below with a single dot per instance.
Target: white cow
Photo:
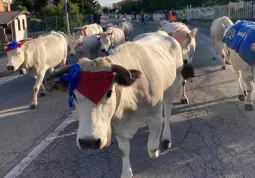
(245, 74)
(127, 28)
(36, 56)
(217, 32)
(87, 46)
(145, 77)
(111, 38)
(187, 40)
(87, 30)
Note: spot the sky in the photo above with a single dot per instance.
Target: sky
(107, 2)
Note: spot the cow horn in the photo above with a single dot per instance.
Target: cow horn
(25, 40)
(125, 77)
(59, 72)
(189, 38)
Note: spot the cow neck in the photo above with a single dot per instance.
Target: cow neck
(25, 54)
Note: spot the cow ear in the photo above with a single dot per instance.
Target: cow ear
(125, 77)
(253, 47)
(193, 33)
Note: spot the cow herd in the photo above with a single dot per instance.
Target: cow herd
(119, 85)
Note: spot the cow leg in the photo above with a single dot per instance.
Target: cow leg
(215, 51)
(248, 106)
(242, 93)
(43, 93)
(124, 146)
(155, 127)
(38, 82)
(223, 58)
(184, 98)
(166, 135)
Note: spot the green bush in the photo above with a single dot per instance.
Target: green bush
(55, 17)
(36, 20)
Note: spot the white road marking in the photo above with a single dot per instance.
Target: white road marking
(8, 78)
(19, 168)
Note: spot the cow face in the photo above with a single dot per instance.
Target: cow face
(16, 58)
(94, 129)
(76, 46)
(106, 41)
(95, 115)
(188, 43)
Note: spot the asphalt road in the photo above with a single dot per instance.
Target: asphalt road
(212, 136)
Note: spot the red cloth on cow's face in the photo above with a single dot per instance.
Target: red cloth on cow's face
(84, 32)
(94, 85)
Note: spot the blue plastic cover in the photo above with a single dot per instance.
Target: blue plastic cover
(239, 38)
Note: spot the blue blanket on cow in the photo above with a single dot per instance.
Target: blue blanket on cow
(239, 37)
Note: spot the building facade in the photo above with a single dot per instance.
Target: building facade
(5, 5)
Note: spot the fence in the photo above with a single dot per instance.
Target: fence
(42, 23)
(234, 10)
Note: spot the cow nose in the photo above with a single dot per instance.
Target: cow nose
(71, 54)
(103, 50)
(89, 143)
(10, 68)
(185, 61)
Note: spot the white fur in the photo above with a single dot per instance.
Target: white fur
(218, 27)
(115, 37)
(91, 29)
(243, 72)
(188, 47)
(159, 58)
(39, 55)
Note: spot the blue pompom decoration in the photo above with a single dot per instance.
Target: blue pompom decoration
(75, 30)
(73, 78)
(13, 45)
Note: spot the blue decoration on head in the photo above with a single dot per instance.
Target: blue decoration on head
(73, 78)
(75, 30)
(13, 45)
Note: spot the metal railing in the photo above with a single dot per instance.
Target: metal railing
(42, 23)
(234, 10)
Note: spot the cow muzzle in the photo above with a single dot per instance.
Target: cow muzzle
(103, 50)
(89, 143)
(10, 68)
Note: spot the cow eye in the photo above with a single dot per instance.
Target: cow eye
(109, 94)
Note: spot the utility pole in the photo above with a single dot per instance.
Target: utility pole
(67, 18)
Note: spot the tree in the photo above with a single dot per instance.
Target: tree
(32, 5)
(87, 6)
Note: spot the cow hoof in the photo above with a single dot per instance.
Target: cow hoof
(248, 107)
(244, 92)
(154, 154)
(42, 94)
(241, 97)
(228, 63)
(214, 58)
(165, 145)
(34, 106)
(184, 101)
(224, 67)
